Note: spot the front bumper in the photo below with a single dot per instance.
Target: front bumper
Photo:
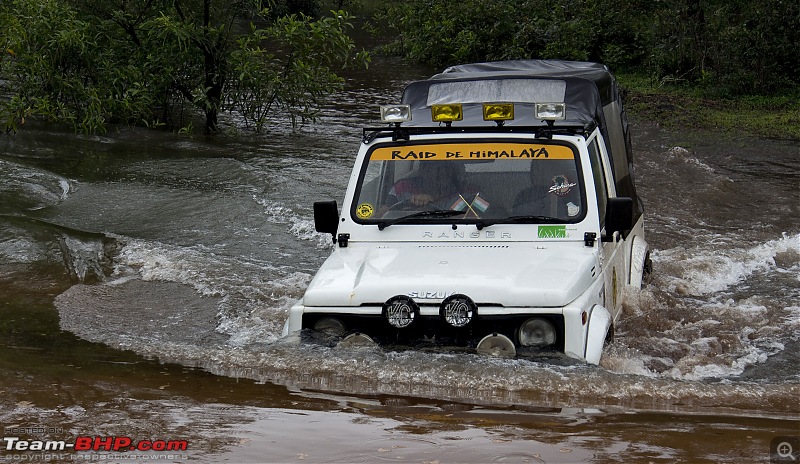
(572, 326)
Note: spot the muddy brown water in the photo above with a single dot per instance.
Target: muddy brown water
(145, 278)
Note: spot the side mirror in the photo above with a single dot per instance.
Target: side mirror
(326, 217)
(619, 215)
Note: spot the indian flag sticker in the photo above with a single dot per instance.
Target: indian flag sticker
(552, 231)
(459, 205)
(480, 204)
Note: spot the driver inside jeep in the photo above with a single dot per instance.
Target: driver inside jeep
(437, 185)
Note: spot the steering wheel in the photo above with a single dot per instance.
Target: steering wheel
(404, 205)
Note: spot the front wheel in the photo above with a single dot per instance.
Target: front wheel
(647, 269)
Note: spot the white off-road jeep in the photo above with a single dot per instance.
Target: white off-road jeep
(495, 210)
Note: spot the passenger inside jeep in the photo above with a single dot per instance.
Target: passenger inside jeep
(553, 191)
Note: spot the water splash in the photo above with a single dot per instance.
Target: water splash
(710, 314)
(31, 188)
(704, 270)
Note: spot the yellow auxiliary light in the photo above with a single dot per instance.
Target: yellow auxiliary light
(447, 113)
(498, 111)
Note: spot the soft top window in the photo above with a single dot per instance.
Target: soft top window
(497, 90)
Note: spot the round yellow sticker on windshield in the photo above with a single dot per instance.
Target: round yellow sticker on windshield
(365, 211)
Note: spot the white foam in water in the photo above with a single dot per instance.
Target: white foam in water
(703, 272)
(19, 250)
(157, 261)
(254, 297)
(686, 155)
(65, 188)
(624, 360)
(302, 228)
(696, 320)
(724, 338)
(263, 322)
(42, 186)
(792, 319)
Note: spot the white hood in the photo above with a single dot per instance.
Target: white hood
(512, 275)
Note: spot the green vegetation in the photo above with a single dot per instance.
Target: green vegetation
(723, 46)
(729, 64)
(776, 116)
(713, 63)
(89, 63)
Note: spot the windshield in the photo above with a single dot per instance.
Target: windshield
(484, 181)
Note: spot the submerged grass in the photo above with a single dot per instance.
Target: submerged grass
(677, 106)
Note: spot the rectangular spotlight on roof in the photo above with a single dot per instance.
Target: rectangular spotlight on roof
(395, 113)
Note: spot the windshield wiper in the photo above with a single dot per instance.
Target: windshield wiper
(435, 213)
(529, 219)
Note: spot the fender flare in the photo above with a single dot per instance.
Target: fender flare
(640, 251)
(596, 332)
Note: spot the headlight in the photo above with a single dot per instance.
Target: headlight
(458, 310)
(537, 332)
(400, 311)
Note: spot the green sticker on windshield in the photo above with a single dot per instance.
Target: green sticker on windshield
(552, 231)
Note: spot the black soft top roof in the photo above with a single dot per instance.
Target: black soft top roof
(589, 91)
(594, 72)
(584, 87)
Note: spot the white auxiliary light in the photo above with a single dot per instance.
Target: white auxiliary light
(551, 111)
(395, 113)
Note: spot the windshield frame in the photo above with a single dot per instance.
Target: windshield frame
(508, 218)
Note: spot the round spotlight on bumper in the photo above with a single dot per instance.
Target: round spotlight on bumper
(458, 310)
(496, 345)
(400, 311)
(537, 332)
(357, 340)
(330, 326)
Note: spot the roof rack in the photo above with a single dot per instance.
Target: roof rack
(369, 134)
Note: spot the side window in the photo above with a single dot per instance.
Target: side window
(599, 180)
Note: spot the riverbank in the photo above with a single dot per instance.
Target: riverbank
(677, 107)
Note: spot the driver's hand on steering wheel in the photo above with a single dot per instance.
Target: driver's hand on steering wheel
(421, 199)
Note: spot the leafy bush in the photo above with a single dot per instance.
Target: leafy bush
(89, 63)
(727, 47)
